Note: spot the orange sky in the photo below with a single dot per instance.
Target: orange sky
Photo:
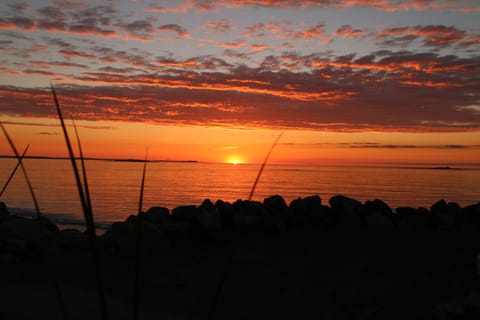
(216, 144)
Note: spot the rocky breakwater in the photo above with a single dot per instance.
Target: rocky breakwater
(184, 226)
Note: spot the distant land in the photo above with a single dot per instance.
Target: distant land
(98, 159)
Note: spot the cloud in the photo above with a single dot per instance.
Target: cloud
(259, 47)
(179, 30)
(72, 54)
(383, 91)
(408, 146)
(48, 133)
(232, 45)
(139, 29)
(17, 23)
(431, 35)
(347, 31)
(223, 25)
(381, 5)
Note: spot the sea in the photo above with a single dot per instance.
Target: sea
(115, 186)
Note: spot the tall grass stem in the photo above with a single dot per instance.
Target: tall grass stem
(87, 211)
(263, 166)
(138, 246)
(12, 174)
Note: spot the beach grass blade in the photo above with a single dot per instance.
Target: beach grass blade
(12, 174)
(84, 170)
(37, 210)
(29, 184)
(87, 212)
(263, 166)
(138, 246)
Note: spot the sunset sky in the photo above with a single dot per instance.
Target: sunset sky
(347, 81)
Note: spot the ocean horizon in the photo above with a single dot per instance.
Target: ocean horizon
(115, 185)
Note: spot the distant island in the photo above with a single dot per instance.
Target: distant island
(97, 159)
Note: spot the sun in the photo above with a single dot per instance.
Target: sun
(234, 160)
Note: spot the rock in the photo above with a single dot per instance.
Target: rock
(73, 239)
(158, 215)
(207, 206)
(4, 214)
(184, 213)
(226, 211)
(248, 213)
(209, 217)
(414, 218)
(377, 213)
(276, 205)
(445, 214)
(277, 216)
(346, 210)
(124, 234)
(471, 214)
(28, 229)
(312, 209)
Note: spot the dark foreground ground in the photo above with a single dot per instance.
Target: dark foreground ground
(304, 273)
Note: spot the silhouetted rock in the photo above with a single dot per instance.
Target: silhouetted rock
(226, 211)
(377, 213)
(275, 204)
(414, 218)
(4, 214)
(248, 213)
(158, 215)
(471, 214)
(208, 215)
(124, 234)
(310, 210)
(184, 213)
(29, 229)
(21, 235)
(346, 210)
(73, 239)
(445, 214)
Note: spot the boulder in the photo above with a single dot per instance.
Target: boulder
(226, 211)
(248, 213)
(347, 211)
(158, 215)
(28, 229)
(445, 214)
(413, 218)
(208, 216)
(73, 239)
(312, 209)
(277, 216)
(275, 205)
(184, 213)
(471, 214)
(377, 213)
(4, 214)
(124, 234)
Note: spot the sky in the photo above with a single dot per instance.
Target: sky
(347, 81)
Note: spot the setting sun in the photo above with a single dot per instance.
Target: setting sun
(234, 160)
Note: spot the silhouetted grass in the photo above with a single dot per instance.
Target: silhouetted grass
(12, 174)
(87, 211)
(84, 170)
(19, 157)
(138, 246)
(263, 166)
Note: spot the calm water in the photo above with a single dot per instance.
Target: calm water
(115, 186)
